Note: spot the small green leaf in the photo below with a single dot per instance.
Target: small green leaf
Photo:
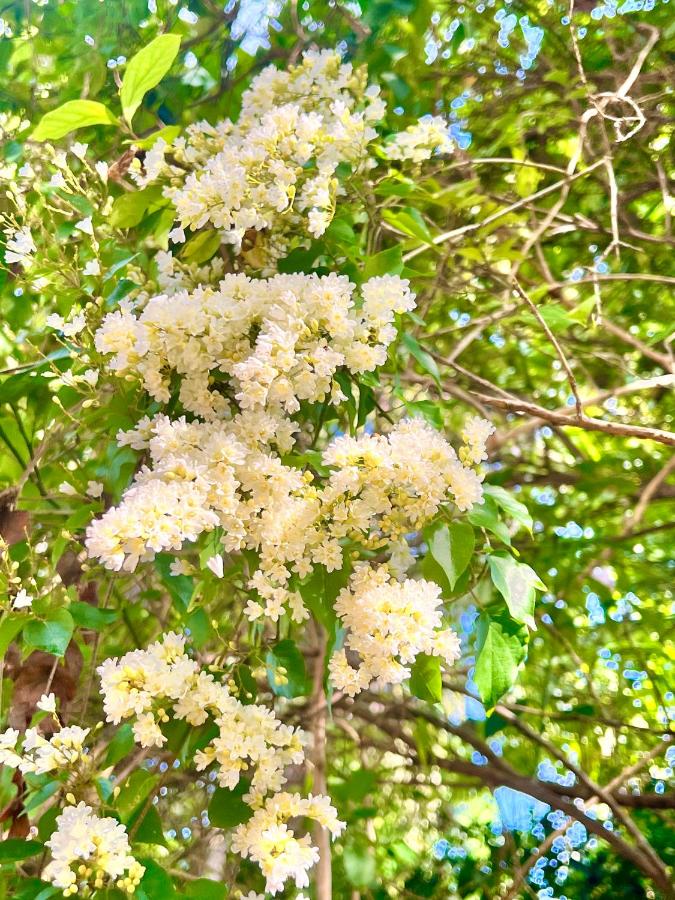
(425, 678)
(70, 116)
(87, 616)
(150, 830)
(128, 209)
(286, 671)
(426, 362)
(201, 247)
(168, 134)
(121, 745)
(135, 791)
(517, 583)
(517, 510)
(180, 587)
(227, 809)
(156, 883)
(501, 646)
(452, 547)
(52, 634)
(15, 849)
(360, 866)
(10, 626)
(145, 70)
(388, 262)
(486, 515)
(205, 889)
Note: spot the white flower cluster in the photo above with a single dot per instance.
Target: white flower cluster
(475, 434)
(64, 751)
(390, 623)
(267, 839)
(274, 169)
(148, 685)
(262, 344)
(90, 853)
(252, 742)
(206, 475)
(426, 138)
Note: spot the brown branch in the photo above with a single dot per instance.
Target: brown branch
(588, 423)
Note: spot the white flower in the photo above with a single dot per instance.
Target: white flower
(79, 150)
(92, 268)
(47, 703)
(94, 488)
(216, 565)
(77, 324)
(67, 488)
(57, 180)
(102, 170)
(23, 600)
(85, 226)
(180, 567)
(20, 247)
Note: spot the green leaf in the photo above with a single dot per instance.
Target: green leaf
(16, 849)
(150, 830)
(180, 587)
(205, 889)
(201, 247)
(426, 362)
(128, 209)
(145, 70)
(227, 809)
(410, 222)
(10, 626)
(169, 133)
(501, 646)
(51, 635)
(136, 790)
(70, 116)
(388, 262)
(517, 583)
(360, 866)
(286, 671)
(425, 678)
(486, 515)
(452, 547)
(156, 883)
(87, 616)
(121, 745)
(517, 510)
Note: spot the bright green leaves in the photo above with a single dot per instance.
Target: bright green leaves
(388, 262)
(425, 361)
(227, 808)
(501, 648)
(134, 793)
(122, 744)
(69, 117)
(51, 634)
(286, 671)
(145, 70)
(425, 678)
(517, 583)
(129, 209)
(508, 503)
(14, 850)
(452, 546)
